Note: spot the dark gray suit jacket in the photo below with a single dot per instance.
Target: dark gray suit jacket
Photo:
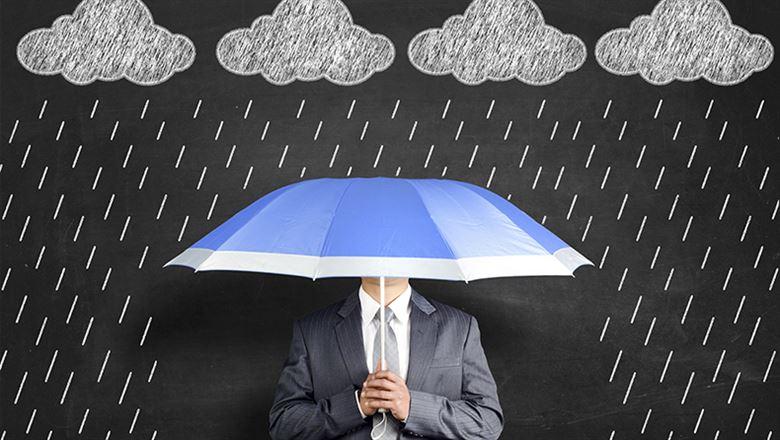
(453, 394)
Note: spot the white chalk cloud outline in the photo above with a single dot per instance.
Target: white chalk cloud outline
(106, 40)
(534, 53)
(732, 47)
(273, 46)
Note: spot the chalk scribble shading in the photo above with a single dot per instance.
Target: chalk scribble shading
(306, 40)
(498, 40)
(106, 40)
(685, 40)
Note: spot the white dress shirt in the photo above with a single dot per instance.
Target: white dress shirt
(401, 308)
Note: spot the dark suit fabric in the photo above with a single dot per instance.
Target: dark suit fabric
(453, 393)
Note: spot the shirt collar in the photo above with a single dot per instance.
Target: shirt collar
(400, 306)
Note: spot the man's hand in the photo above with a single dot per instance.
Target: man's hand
(364, 402)
(365, 406)
(385, 389)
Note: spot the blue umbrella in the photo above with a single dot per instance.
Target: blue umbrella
(392, 227)
(383, 227)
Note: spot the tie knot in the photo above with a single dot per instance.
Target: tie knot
(388, 315)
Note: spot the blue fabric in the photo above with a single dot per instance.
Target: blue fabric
(383, 217)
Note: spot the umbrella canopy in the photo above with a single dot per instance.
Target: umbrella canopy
(383, 227)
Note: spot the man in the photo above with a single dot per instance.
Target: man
(437, 383)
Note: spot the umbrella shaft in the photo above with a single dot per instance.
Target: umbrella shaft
(382, 322)
(382, 327)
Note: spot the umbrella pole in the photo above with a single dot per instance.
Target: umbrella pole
(382, 328)
(382, 322)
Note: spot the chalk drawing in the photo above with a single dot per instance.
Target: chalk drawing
(306, 40)
(498, 40)
(685, 40)
(106, 40)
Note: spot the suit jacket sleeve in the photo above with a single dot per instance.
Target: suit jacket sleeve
(477, 415)
(296, 415)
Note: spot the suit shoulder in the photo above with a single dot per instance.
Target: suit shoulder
(451, 313)
(320, 316)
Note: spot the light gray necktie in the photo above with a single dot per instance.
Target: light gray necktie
(385, 426)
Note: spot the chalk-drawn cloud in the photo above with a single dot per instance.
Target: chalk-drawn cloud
(685, 40)
(498, 40)
(106, 40)
(306, 40)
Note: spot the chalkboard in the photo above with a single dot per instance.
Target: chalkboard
(671, 190)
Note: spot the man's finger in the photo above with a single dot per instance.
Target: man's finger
(377, 394)
(387, 374)
(383, 384)
(377, 404)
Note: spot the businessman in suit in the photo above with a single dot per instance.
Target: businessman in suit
(436, 384)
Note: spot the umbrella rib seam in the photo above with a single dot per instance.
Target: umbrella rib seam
(552, 254)
(330, 226)
(252, 217)
(470, 189)
(443, 238)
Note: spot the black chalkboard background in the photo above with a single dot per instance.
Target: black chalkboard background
(197, 356)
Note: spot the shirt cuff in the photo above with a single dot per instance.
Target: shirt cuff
(357, 399)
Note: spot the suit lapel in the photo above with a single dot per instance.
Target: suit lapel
(423, 335)
(349, 335)
(424, 329)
